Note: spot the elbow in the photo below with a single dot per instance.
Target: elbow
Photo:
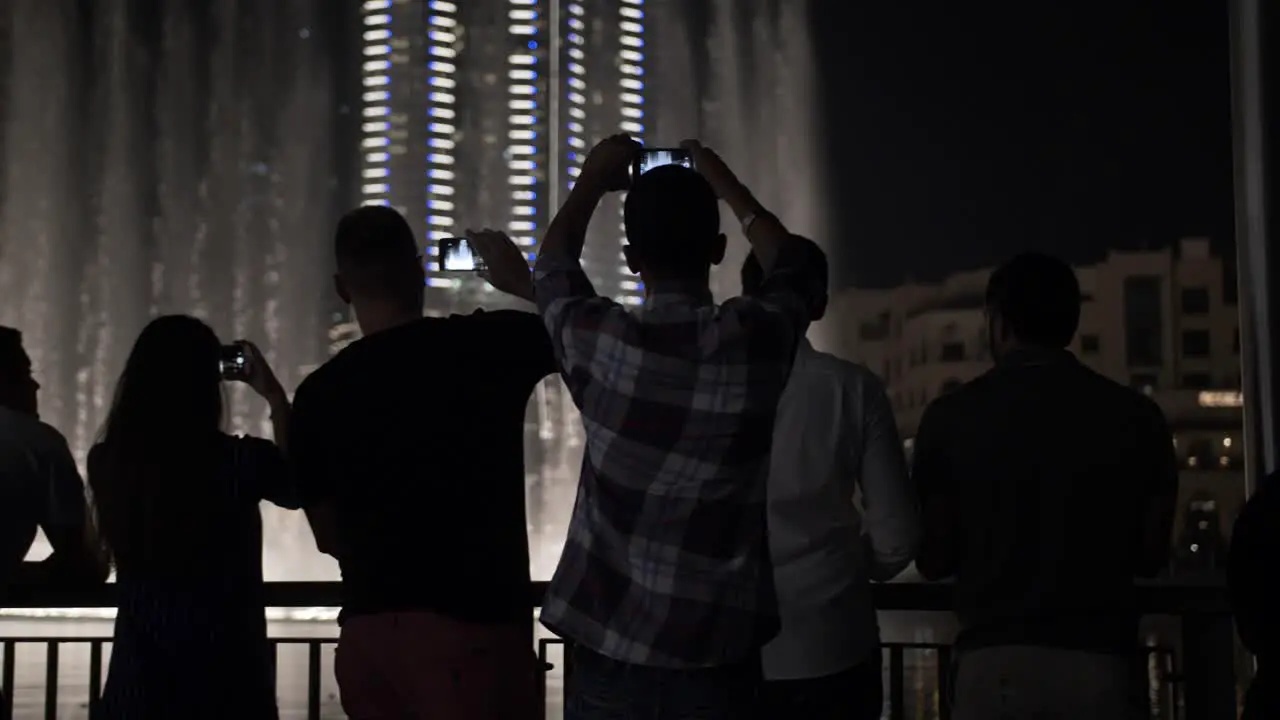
(884, 569)
(934, 565)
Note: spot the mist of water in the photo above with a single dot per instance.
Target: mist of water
(181, 161)
(755, 102)
(159, 162)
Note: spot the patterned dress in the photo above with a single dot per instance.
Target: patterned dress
(198, 649)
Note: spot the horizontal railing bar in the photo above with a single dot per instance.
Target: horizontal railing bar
(552, 640)
(1154, 598)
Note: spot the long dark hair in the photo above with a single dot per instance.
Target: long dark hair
(159, 450)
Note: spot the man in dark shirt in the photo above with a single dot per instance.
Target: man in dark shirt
(40, 486)
(409, 445)
(1046, 488)
(1255, 596)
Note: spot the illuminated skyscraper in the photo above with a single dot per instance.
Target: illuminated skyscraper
(392, 143)
(480, 113)
(601, 75)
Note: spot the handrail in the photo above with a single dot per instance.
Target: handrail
(1164, 597)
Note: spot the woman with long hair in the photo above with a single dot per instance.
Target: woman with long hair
(177, 506)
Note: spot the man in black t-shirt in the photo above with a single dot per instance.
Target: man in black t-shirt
(1046, 490)
(409, 445)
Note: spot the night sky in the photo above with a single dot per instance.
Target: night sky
(964, 133)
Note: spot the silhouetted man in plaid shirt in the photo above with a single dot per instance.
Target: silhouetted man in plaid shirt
(664, 585)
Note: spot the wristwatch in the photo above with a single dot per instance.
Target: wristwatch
(748, 221)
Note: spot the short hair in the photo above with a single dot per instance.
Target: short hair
(372, 246)
(672, 218)
(14, 361)
(1038, 297)
(811, 256)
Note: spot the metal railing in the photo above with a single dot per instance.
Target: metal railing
(1185, 673)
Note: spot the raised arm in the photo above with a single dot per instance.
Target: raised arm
(888, 498)
(505, 266)
(570, 308)
(604, 171)
(766, 233)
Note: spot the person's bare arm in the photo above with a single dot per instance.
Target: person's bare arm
(766, 233)
(604, 171)
(505, 265)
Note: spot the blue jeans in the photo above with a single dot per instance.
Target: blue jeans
(853, 694)
(599, 688)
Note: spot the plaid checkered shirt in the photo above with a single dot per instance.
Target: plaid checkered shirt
(666, 562)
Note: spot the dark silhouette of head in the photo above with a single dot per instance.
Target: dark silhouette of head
(811, 256)
(1032, 301)
(18, 387)
(672, 218)
(156, 456)
(380, 271)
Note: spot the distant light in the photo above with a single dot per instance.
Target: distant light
(1221, 399)
(304, 33)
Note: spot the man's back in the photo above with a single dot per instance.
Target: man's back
(415, 436)
(667, 539)
(39, 486)
(1051, 470)
(835, 436)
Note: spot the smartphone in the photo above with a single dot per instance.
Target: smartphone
(233, 363)
(457, 255)
(650, 158)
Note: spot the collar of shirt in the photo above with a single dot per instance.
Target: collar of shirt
(1025, 356)
(675, 297)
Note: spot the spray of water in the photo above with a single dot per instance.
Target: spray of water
(180, 163)
(177, 162)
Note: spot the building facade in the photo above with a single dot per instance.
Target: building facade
(1163, 321)
(480, 113)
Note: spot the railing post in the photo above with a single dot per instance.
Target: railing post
(1253, 26)
(1208, 666)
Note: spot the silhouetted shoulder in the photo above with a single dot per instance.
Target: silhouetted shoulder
(515, 320)
(47, 437)
(838, 372)
(516, 336)
(330, 374)
(1111, 395)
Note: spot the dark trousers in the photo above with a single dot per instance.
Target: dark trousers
(854, 694)
(599, 688)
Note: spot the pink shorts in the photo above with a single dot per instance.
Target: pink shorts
(422, 666)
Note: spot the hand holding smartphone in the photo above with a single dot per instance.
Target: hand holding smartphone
(457, 255)
(650, 158)
(233, 363)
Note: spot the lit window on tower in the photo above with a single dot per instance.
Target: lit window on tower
(576, 92)
(441, 40)
(375, 138)
(631, 59)
(523, 113)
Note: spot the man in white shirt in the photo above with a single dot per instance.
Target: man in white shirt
(834, 437)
